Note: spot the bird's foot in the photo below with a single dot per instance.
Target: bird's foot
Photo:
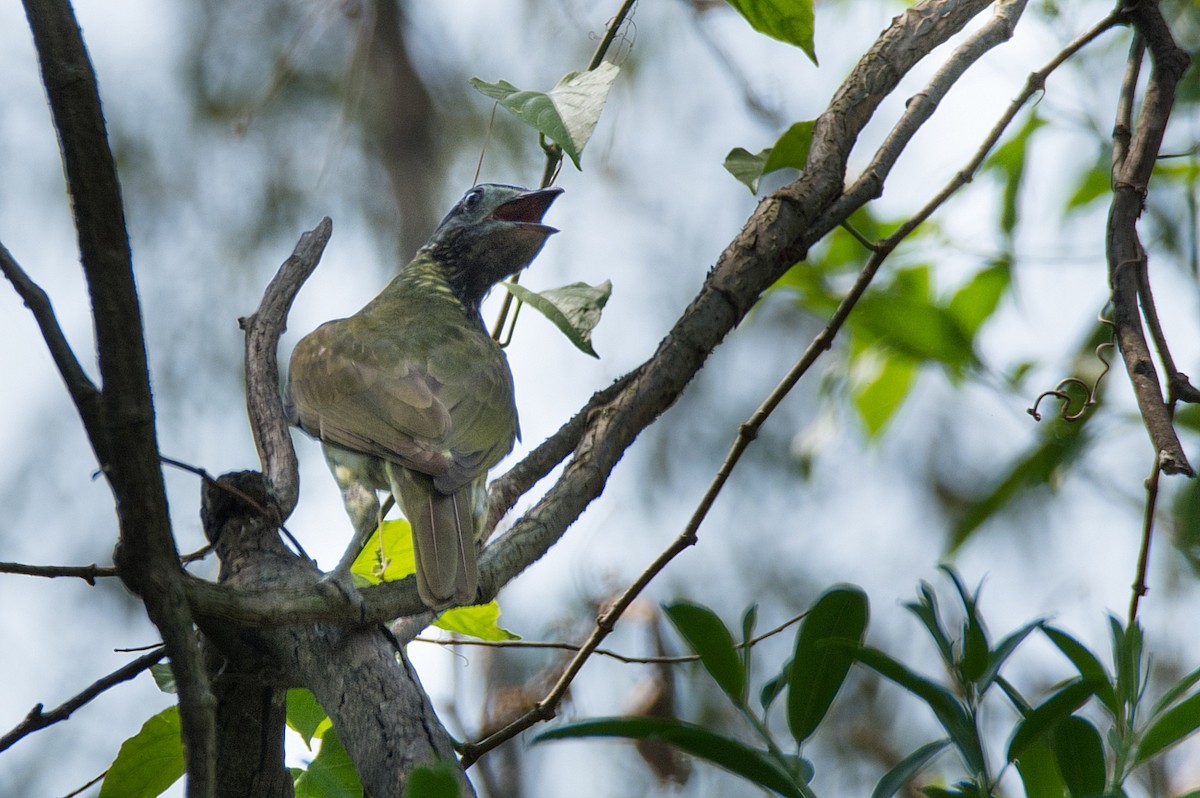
(340, 582)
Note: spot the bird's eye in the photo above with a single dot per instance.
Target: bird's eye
(472, 200)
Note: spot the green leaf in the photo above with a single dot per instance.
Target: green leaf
(1080, 755)
(481, 621)
(331, 774)
(390, 560)
(1060, 445)
(749, 618)
(1048, 714)
(878, 400)
(791, 149)
(575, 309)
(164, 677)
(904, 317)
(789, 21)
(753, 764)
(396, 561)
(1089, 667)
(1009, 161)
(926, 609)
(432, 781)
(975, 302)
(567, 114)
(975, 646)
(304, 715)
(894, 780)
(774, 686)
(1039, 772)
(1003, 650)
(1127, 660)
(746, 166)
(711, 640)
(1176, 724)
(819, 664)
(790, 152)
(950, 713)
(149, 762)
(1095, 183)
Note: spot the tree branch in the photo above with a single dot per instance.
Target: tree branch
(145, 555)
(1127, 261)
(37, 719)
(268, 420)
(80, 387)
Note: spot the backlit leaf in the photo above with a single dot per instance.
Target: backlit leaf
(149, 762)
(789, 21)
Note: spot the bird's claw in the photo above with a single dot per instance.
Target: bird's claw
(341, 583)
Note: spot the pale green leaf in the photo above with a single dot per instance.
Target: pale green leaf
(567, 114)
(481, 621)
(746, 166)
(331, 774)
(149, 762)
(575, 309)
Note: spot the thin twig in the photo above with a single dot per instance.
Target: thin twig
(1140, 588)
(555, 645)
(37, 719)
(88, 573)
(82, 390)
(80, 790)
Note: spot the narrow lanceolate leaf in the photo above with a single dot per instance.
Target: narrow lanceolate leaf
(950, 713)
(789, 21)
(1048, 714)
(1080, 754)
(574, 309)
(1173, 726)
(1088, 665)
(825, 646)
(894, 780)
(710, 639)
(149, 762)
(567, 114)
(752, 764)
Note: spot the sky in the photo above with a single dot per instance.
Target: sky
(216, 199)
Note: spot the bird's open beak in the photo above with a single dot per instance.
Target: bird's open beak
(528, 209)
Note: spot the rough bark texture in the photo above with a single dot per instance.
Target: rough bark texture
(366, 685)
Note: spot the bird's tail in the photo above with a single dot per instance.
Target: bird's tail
(443, 531)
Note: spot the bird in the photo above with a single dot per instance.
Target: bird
(412, 395)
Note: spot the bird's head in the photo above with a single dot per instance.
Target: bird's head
(492, 233)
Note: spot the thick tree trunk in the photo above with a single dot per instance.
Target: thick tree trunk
(370, 691)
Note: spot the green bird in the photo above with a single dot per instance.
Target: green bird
(411, 395)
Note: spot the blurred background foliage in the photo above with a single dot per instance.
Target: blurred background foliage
(238, 125)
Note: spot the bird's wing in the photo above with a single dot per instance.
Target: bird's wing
(354, 392)
(449, 413)
(476, 386)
